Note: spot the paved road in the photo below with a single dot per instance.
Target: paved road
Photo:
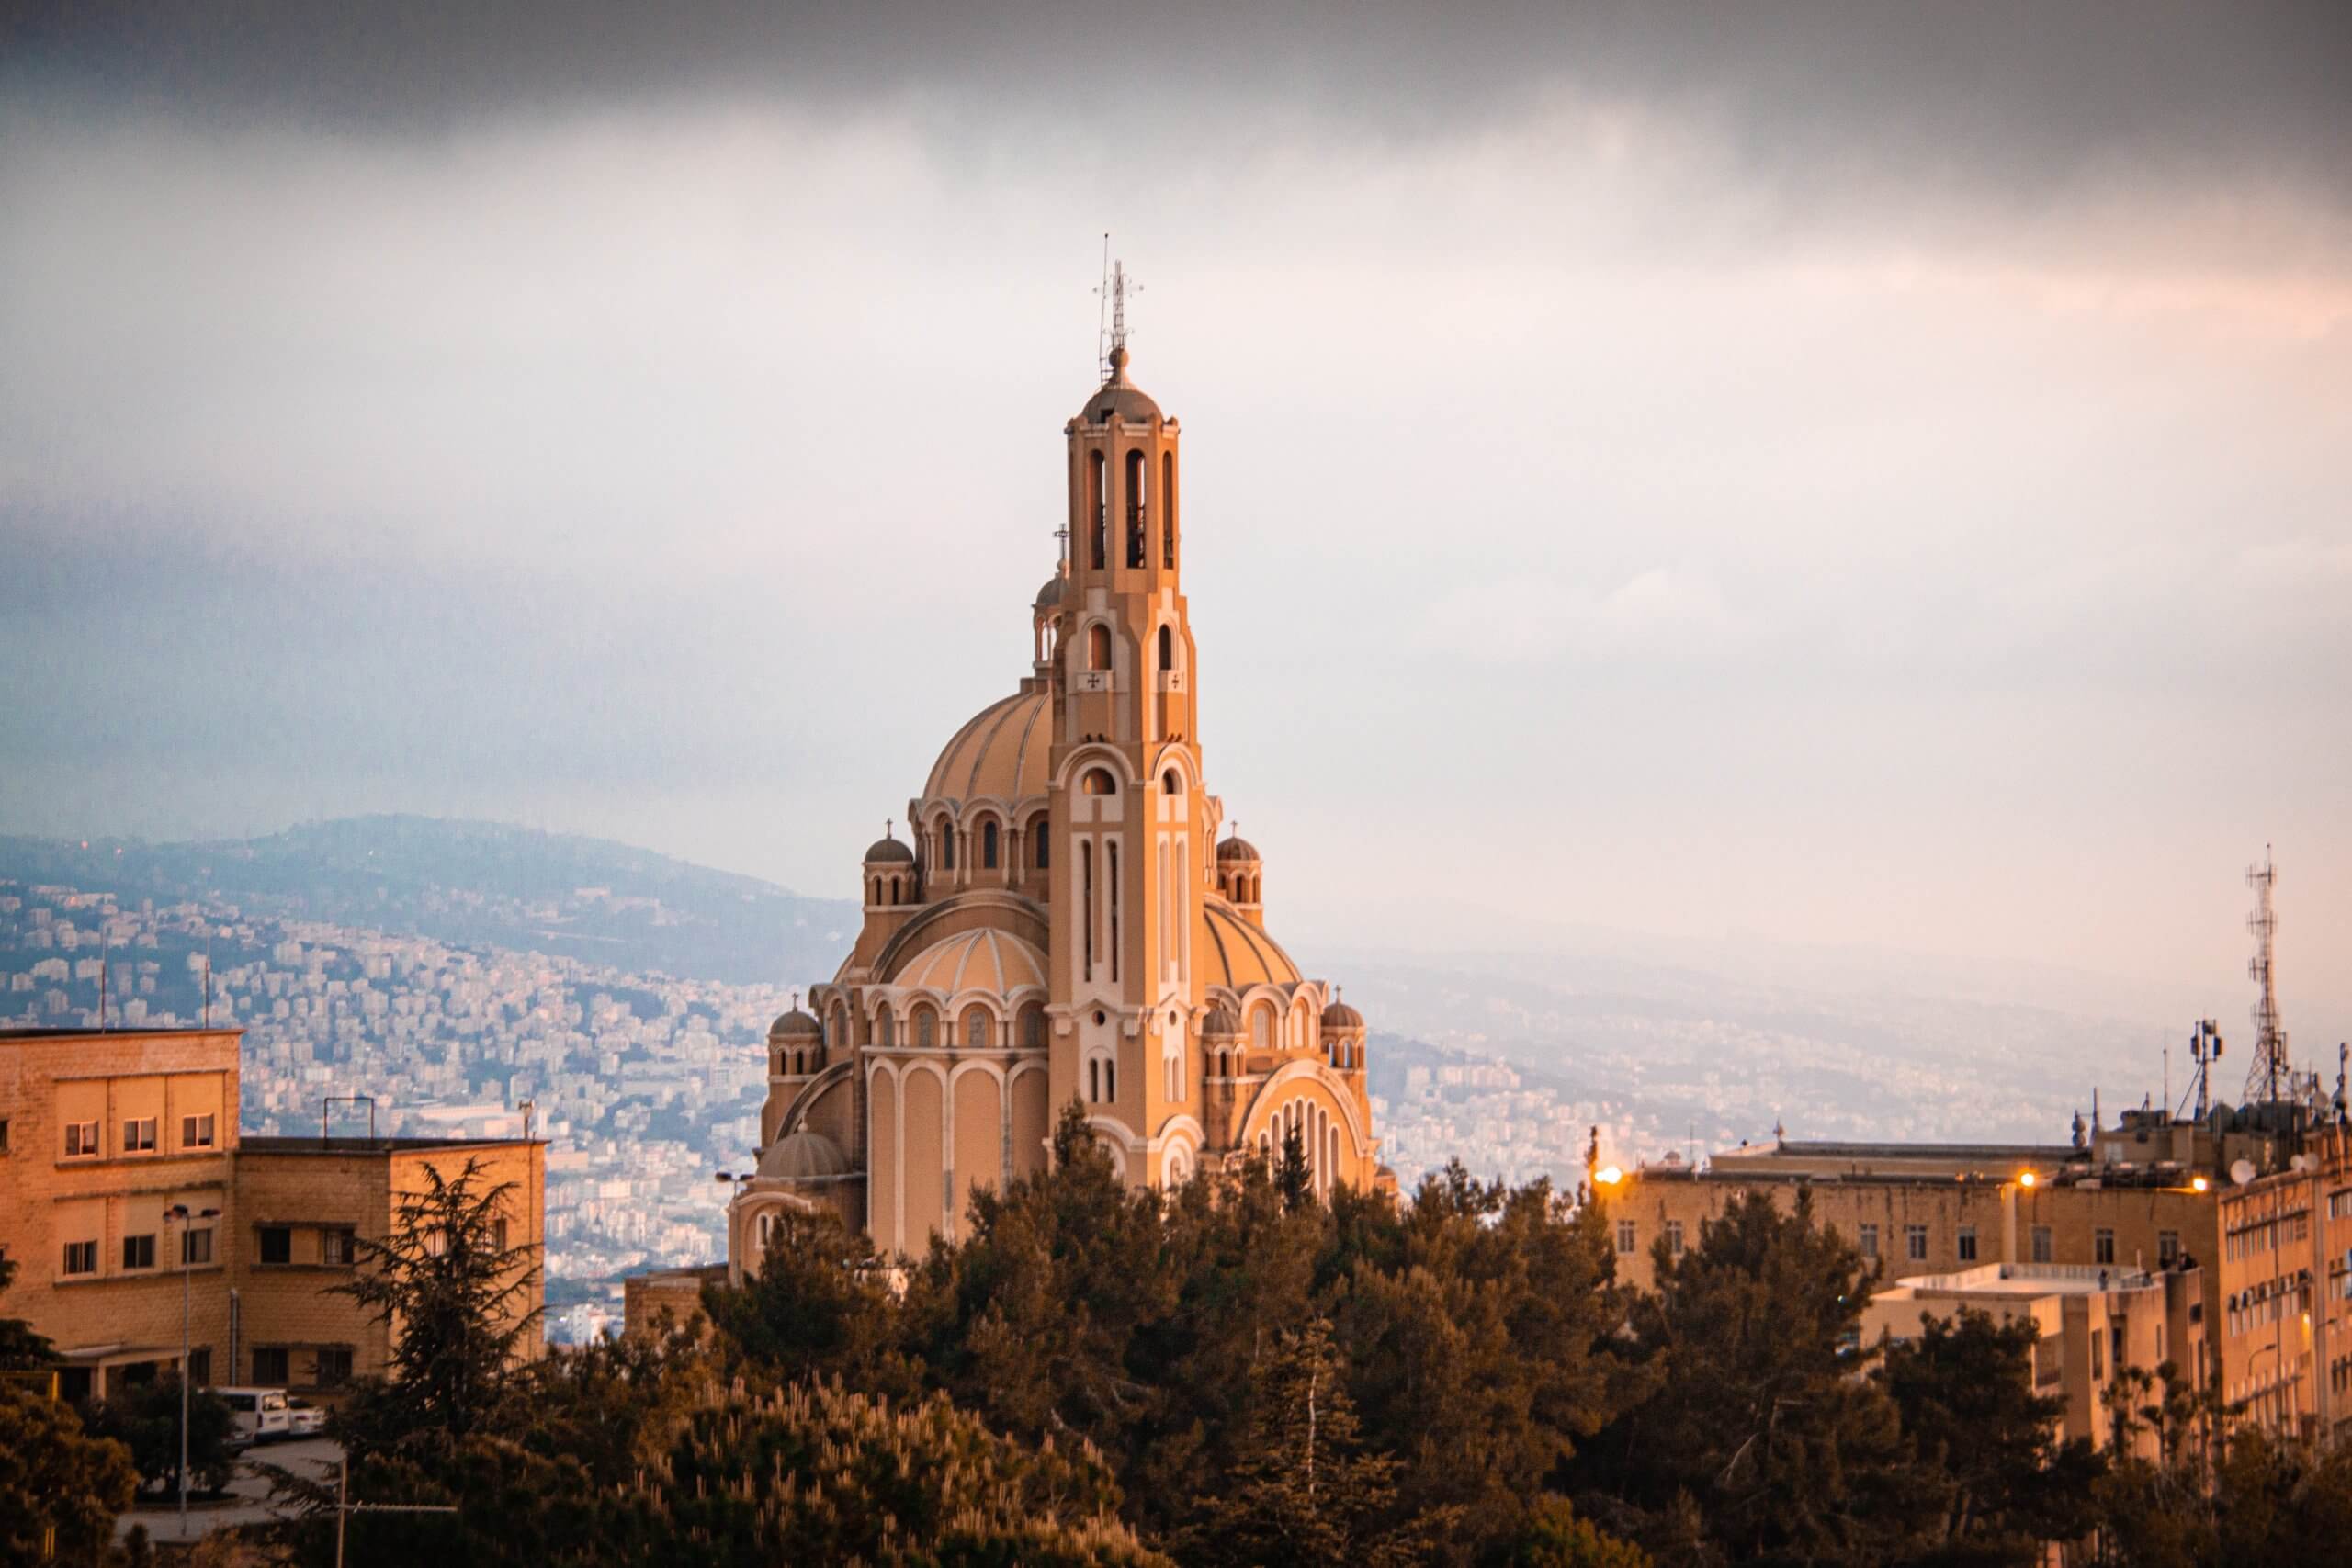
(314, 1458)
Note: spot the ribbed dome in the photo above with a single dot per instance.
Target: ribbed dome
(1220, 1020)
(1050, 596)
(803, 1157)
(794, 1025)
(1238, 955)
(889, 851)
(1001, 752)
(1237, 848)
(1339, 1015)
(992, 961)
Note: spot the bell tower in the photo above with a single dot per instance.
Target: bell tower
(1132, 824)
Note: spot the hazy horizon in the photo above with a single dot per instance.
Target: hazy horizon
(1870, 479)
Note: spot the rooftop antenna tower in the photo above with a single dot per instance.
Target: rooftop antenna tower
(1111, 320)
(2269, 1078)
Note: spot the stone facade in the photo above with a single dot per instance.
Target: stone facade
(101, 1134)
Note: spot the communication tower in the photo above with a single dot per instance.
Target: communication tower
(2269, 1079)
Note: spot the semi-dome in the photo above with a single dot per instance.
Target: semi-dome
(1119, 396)
(803, 1157)
(1339, 1015)
(794, 1025)
(1237, 848)
(1000, 752)
(889, 851)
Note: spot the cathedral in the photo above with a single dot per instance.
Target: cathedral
(1063, 922)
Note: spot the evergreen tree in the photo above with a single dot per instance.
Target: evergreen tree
(21, 1349)
(1964, 1391)
(820, 1306)
(450, 1291)
(1759, 1419)
(145, 1419)
(1293, 1177)
(1302, 1489)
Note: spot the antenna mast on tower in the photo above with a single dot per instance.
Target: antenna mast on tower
(2269, 1078)
(1111, 320)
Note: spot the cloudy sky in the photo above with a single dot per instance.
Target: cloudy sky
(1868, 475)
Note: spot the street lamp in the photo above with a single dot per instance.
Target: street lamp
(183, 1214)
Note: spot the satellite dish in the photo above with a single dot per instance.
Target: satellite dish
(2242, 1171)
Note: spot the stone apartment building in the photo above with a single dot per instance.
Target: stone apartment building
(2254, 1205)
(122, 1169)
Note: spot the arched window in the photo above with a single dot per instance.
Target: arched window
(1098, 781)
(1094, 1082)
(988, 844)
(837, 1027)
(1032, 1028)
(885, 1028)
(946, 845)
(1167, 649)
(1098, 645)
(1171, 783)
(894, 890)
(767, 1228)
(979, 1029)
(1045, 843)
(1261, 1027)
(926, 1031)
(1110, 1080)
(1097, 520)
(877, 892)
(1135, 535)
(1168, 510)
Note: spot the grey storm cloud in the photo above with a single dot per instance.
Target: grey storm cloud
(2014, 97)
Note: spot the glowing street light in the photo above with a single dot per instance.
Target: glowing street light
(1608, 1176)
(2026, 1178)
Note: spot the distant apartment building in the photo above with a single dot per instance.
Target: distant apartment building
(2253, 1204)
(2091, 1323)
(121, 1169)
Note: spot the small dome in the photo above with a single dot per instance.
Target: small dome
(1339, 1015)
(794, 1025)
(1119, 396)
(1050, 596)
(1220, 1020)
(802, 1157)
(889, 851)
(1235, 849)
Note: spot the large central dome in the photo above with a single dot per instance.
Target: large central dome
(1000, 754)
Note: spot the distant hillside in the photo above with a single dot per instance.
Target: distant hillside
(478, 883)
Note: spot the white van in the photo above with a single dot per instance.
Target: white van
(260, 1413)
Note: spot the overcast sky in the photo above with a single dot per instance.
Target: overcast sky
(1865, 474)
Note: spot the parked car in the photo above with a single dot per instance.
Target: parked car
(260, 1414)
(304, 1419)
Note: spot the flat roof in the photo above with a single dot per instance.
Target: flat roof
(9, 1033)
(1832, 1150)
(300, 1145)
(2021, 1280)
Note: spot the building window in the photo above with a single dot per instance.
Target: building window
(2102, 1246)
(2044, 1244)
(979, 1029)
(2167, 1249)
(988, 846)
(335, 1365)
(81, 1258)
(80, 1139)
(946, 846)
(195, 1246)
(277, 1244)
(196, 1132)
(1968, 1244)
(271, 1364)
(139, 1251)
(199, 1366)
(1045, 843)
(923, 1033)
(498, 1236)
(1674, 1238)
(1626, 1236)
(1098, 646)
(139, 1135)
(4, 1135)
(1167, 654)
(2099, 1356)
(340, 1245)
(1915, 1243)
(1870, 1241)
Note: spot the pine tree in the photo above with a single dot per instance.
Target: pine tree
(21, 1349)
(820, 1306)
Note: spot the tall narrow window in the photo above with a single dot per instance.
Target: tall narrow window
(1135, 498)
(1167, 649)
(1114, 848)
(883, 1029)
(1044, 841)
(946, 846)
(1168, 510)
(1086, 896)
(924, 1036)
(1098, 645)
(1094, 1082)
(988, 845)
(1097, 518)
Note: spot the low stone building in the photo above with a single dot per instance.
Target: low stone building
(124, 1182)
